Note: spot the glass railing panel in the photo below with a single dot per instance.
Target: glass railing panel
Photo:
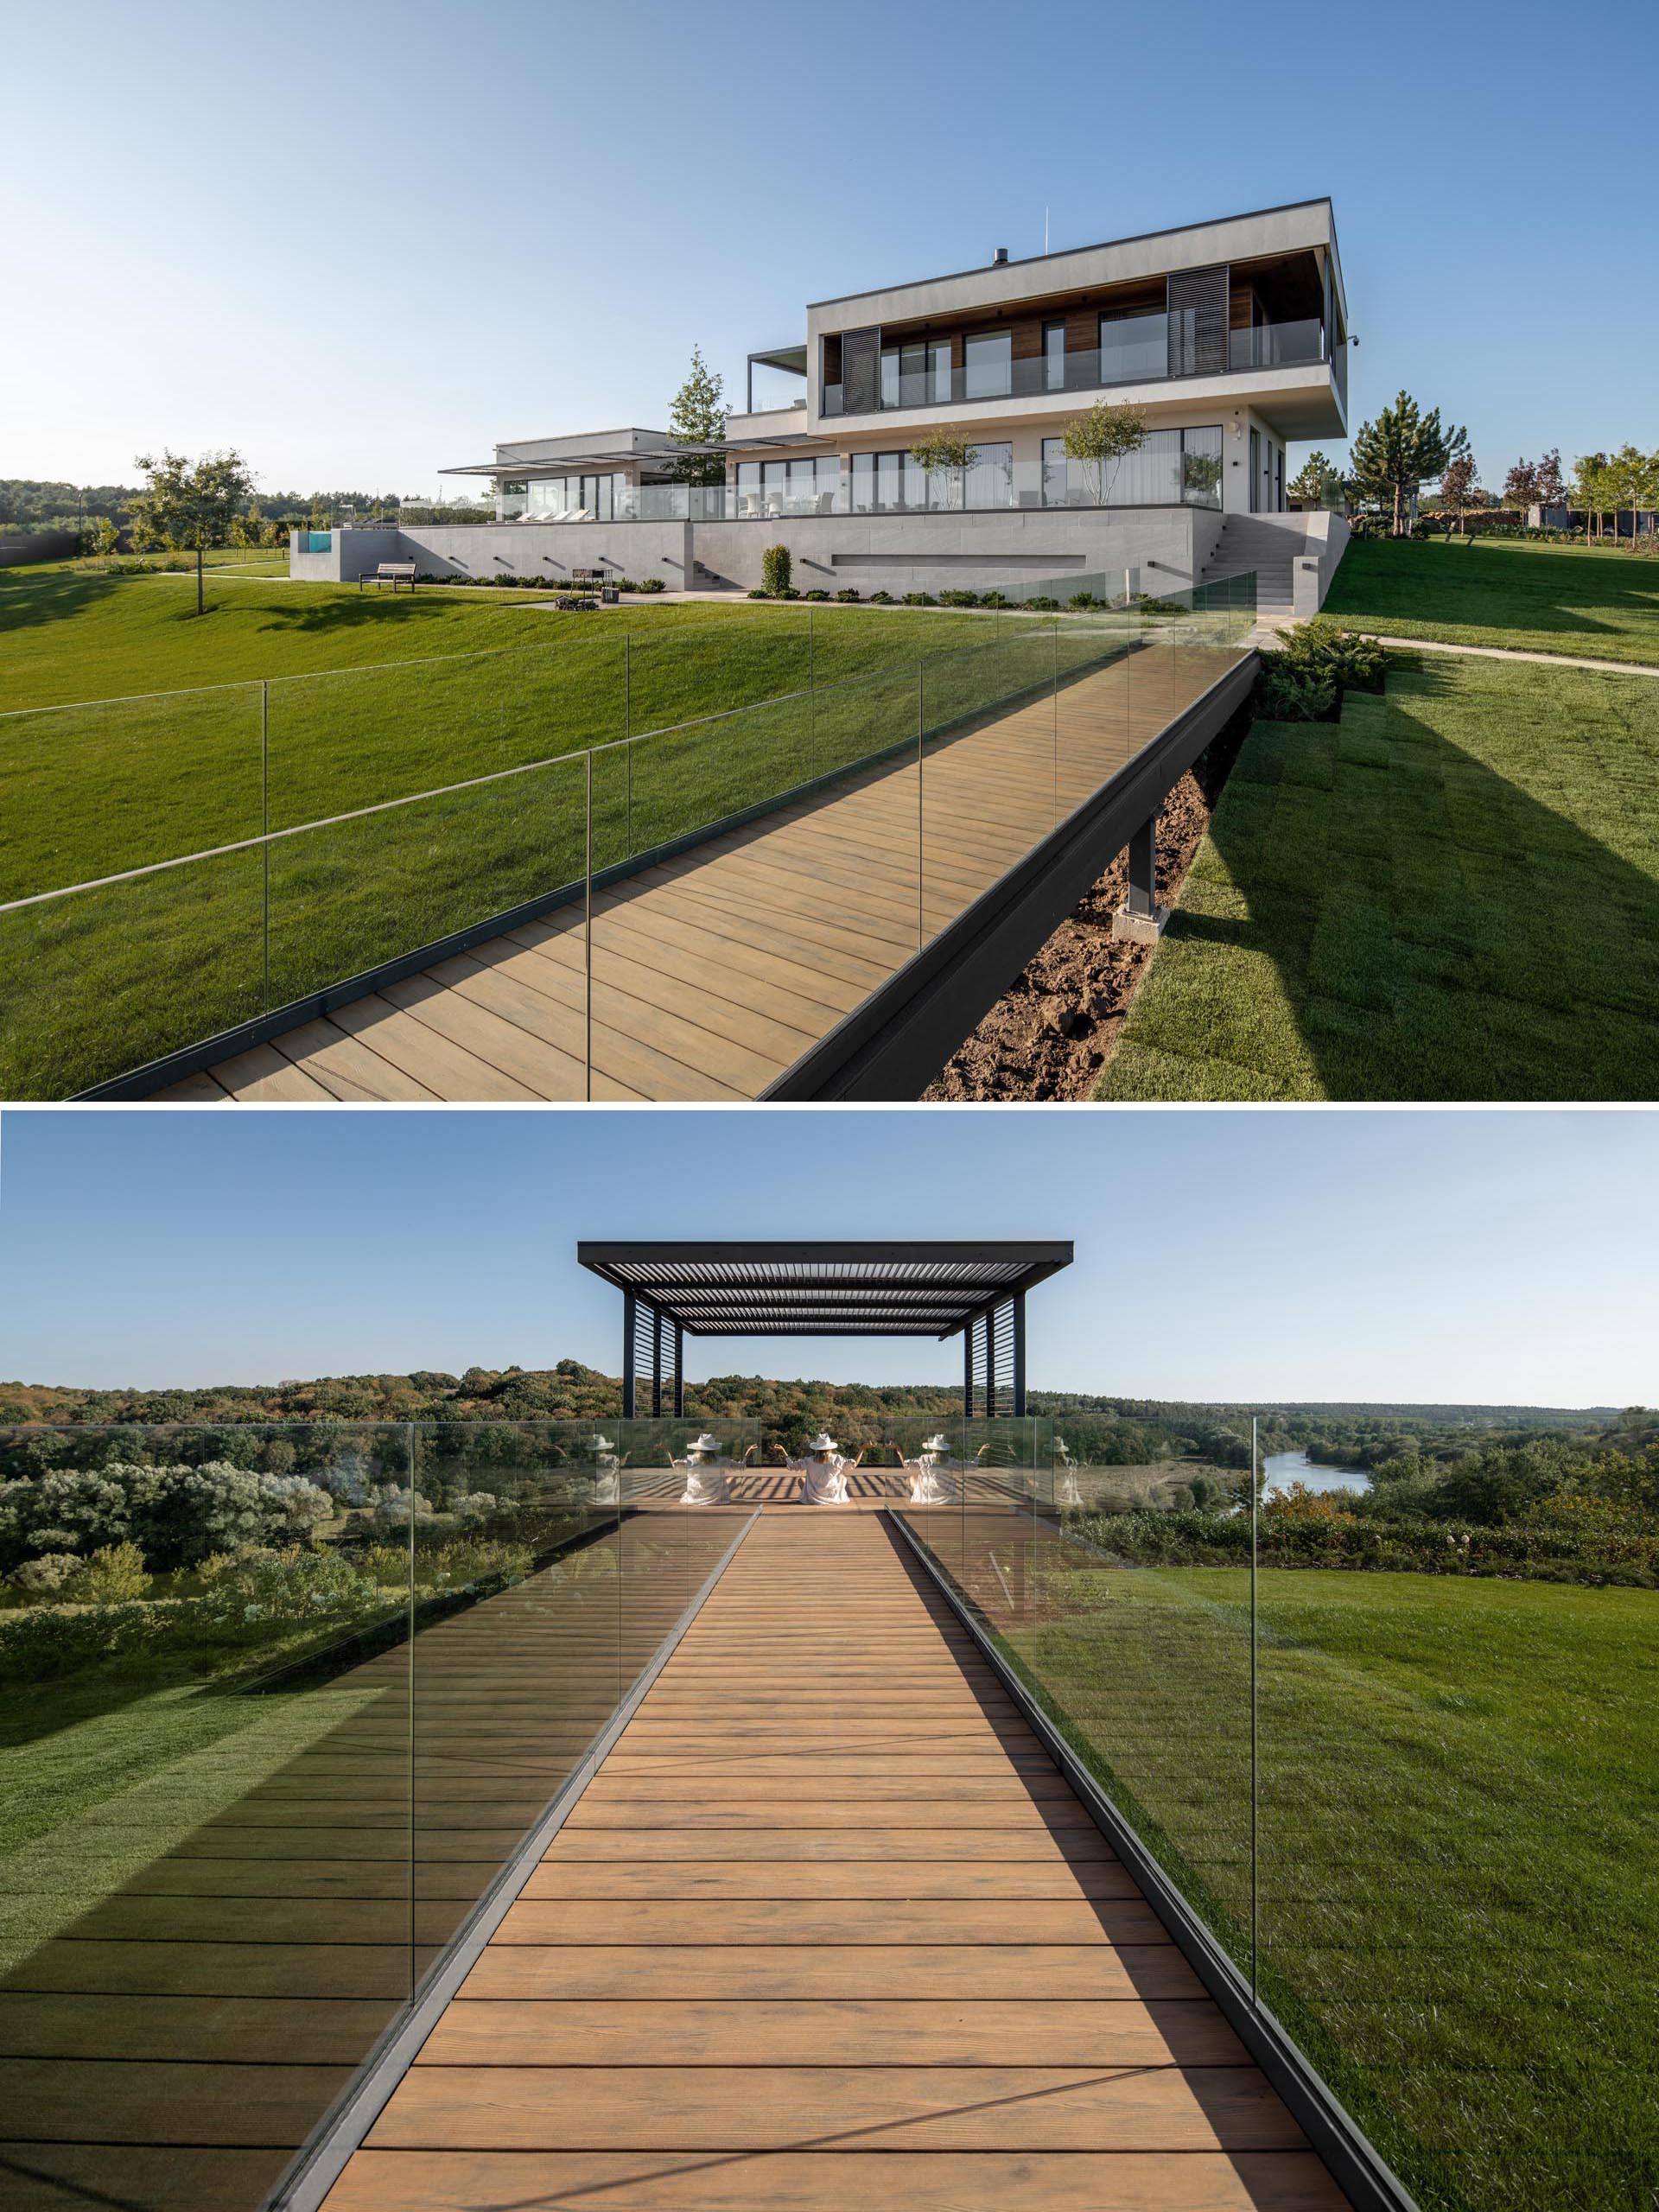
(676, 673)
(1143, 1657)
(117, 783)
(346, 896)
(1134, 350)
(517, 1651)
(1457, 1838)
(1276, 345)
(360, 736)
(103, 981)
(832, 400)
(204, 1883)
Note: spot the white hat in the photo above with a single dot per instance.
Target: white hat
(602, 1444)
(822, 1442)
(936, 1444)
(706, 1443)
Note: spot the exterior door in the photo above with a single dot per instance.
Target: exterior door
(1255, 470)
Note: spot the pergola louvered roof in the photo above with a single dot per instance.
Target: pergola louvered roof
(788, 1289)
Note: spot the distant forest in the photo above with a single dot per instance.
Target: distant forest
(28, 504)
(1112, 1431)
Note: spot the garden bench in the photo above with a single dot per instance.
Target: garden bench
(390, 572)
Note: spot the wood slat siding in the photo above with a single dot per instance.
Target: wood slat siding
(828, 1928)
(717, 970)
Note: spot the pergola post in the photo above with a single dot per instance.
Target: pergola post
(628, 1354)
(990, 1363)
(1020, 1355)
(1141, 919)
(967, 1372)
(656, 1362)
(679, 1375)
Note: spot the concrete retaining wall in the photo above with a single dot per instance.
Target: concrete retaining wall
(1016, 548)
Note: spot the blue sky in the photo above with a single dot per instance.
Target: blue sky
(362, 242)
(1491, 1256)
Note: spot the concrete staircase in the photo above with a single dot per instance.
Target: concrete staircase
(1267, 544)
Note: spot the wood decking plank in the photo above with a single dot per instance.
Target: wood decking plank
(718, 969)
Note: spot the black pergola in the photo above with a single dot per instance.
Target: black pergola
(974, 1289)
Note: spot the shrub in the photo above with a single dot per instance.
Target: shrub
(758, 592)
(1083, 600)
(919, 599)
(815, 594)
(994, 599)
(1294, 695)
(39, 1641)
(1352, 662)
(113, 1576)
(175, 1516)
(880, 598)
(49, 1571)
(651, 584)
(567, 603)
(1041, 606)
(788, 592)
(958, 599)
(627, 583)
(775, 569)
(846, 595)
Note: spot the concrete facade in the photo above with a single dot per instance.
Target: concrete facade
(1166, 547)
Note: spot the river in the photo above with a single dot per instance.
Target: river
(1283, 1468)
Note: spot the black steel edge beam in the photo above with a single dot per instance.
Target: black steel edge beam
(890, 1048)
(1370, 2183)
(321, 2161)
(596, 1251)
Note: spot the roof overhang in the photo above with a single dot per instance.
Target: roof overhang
(816, 1289)
(790, 359)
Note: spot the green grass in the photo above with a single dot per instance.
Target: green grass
(442, 689)
(1547, 599)
(1458, 1792)
(1453, 893)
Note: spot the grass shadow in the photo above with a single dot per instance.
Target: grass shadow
(1451, 893)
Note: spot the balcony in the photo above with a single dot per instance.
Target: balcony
(1144, 349)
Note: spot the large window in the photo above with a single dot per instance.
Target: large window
(917, 373)
(1170, 469)
(987, 366)
(799, 486)
(1053, 357)
(896, 483)
(595, 496)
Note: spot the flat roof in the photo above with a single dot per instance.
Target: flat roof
(786, 1288)
(1070, 252)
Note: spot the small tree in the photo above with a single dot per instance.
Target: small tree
(1316, 481)
(698, 418)
(1457, 482)
(193, 506)
(249, 529)
(775, 569)
(1402, 450)
(1632, 475)
(1549, 489)
(948, 454)
(107, 536)
(1100, 438)
(1590, 488)
(1521, 486)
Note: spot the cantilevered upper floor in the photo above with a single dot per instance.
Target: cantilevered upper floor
(1249, 310)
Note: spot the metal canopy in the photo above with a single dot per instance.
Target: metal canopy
(790, 1289)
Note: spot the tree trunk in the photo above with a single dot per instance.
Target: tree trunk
(199, 608)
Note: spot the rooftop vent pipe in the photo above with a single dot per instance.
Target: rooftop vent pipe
(998, 254)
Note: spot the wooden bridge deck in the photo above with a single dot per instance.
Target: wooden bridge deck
(716, 972)
(828, 1928)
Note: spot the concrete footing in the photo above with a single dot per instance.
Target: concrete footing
(1140, 929)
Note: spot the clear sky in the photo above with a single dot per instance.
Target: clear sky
(361, 242)
(1490, 1256)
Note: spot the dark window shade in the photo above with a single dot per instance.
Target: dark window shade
(861, 370)
(1198, 322)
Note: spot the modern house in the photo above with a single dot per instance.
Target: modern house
(1230, 337)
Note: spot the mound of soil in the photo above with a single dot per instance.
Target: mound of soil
(1056, 1029)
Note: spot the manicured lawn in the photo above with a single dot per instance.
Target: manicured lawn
(1453, 893)
(442, 688)
(1547, 599)
(1459, 1802)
